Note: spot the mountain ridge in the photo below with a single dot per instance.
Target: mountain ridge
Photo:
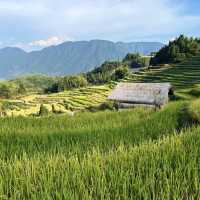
(68, 57)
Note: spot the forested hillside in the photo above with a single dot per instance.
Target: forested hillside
(177, 51)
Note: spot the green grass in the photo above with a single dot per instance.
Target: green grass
(82, 133)
(165, 169)
(131, 154)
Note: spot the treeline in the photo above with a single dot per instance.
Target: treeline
(177, 51)
(108, 71)
(23, 85)
(66, 83)
(116, 70)
(8, 90)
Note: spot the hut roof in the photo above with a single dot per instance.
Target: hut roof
(141, 93)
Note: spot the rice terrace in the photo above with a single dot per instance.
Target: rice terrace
(96, 119)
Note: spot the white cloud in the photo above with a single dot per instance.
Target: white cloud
(48, 42)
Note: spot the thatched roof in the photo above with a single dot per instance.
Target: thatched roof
(141, 93)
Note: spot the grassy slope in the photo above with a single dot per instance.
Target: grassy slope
(133, 154)
(184, 77)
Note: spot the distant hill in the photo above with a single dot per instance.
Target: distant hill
(68, 57)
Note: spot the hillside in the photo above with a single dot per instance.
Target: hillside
(68, 58)
(184, 77)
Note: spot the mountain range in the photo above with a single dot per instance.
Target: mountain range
(68, 57)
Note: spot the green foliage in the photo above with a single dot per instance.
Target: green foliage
(70, 82)
(103, 73)
(114, 71)
(67, 83)
(22, 85)
(136, 60)
(35, 83)
(120, 73)
(21, 88)
(177, 51)
(108, 105)
(5, 91)
(9, 89)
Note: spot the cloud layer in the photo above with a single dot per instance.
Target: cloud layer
(30, 22)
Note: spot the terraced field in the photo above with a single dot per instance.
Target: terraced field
(185, 77)
(64, 102)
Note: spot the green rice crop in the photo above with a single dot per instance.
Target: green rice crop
(86, 131)
(130, 154)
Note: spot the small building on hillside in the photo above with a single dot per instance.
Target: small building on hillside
(141, 94)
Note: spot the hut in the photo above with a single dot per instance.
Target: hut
(141, 94)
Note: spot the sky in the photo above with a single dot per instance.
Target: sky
(36, 24)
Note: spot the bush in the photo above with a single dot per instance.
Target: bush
(136, 60)
(120, 73)
(109, 105)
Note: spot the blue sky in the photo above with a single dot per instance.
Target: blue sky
(35, 24)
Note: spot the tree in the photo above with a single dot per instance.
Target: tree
(177, 51)
(70, 82)
(136, 60)
(105, 72)
(120, 73)
(5, 91)
(21, 89)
